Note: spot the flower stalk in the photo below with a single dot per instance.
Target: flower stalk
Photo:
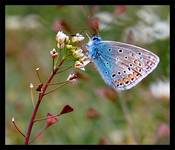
(40, 97)
(13, 121)
(69, 49)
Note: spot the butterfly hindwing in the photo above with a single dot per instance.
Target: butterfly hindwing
(126, 64)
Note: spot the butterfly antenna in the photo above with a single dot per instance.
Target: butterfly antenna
(88, 36)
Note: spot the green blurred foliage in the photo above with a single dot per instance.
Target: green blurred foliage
(27, 49)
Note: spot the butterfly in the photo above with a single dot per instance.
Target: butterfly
(121, 65)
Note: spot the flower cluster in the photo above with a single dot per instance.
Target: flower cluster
(70, 44)
(61, 39)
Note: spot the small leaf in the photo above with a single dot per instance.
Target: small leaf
(50, 120)
(66, 109)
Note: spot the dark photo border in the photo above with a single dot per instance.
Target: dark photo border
(171, 3)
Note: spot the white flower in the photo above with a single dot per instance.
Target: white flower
(148, 15)
(53, 53)
(13, 119)
(160, 89)
(116, 137)
(85, 60)
(105, 19)
(60, 45)
(80, 64)
(37, 69)
(72, 77)
(77, 38)
(78, 53)
(61, 38)
(31, 85)
(28, 22)
(150, 27)
(69, 46)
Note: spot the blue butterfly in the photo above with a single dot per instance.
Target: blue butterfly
(121, 65)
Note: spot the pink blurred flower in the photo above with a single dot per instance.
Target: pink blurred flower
(93, 24)
(103, 141)
(59, 25)
(120, 9)
(163, 131)
(108, 93)
(92, 113)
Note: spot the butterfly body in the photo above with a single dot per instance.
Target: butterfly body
(121, 65)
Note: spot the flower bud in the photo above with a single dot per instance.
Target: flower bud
(53, 53)
(77, 38)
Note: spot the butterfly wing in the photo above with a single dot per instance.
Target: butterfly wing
(123, 65)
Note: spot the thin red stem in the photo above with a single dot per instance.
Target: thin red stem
(18, 129)
(41, 95)
(38, 134)
(45, 118)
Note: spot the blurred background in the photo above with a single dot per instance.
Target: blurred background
(98, 117)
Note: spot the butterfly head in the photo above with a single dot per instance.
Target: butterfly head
(96, 38)
(93, 40)
(91, 46)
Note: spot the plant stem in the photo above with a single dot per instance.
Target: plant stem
(128, 119)
(18, 128)
(40, 97)
(56, 88)
(37, 135)
(44, 118)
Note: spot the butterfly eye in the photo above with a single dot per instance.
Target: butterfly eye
(95, 38)
(120, 50)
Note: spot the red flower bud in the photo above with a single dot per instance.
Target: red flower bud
(50, 120)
